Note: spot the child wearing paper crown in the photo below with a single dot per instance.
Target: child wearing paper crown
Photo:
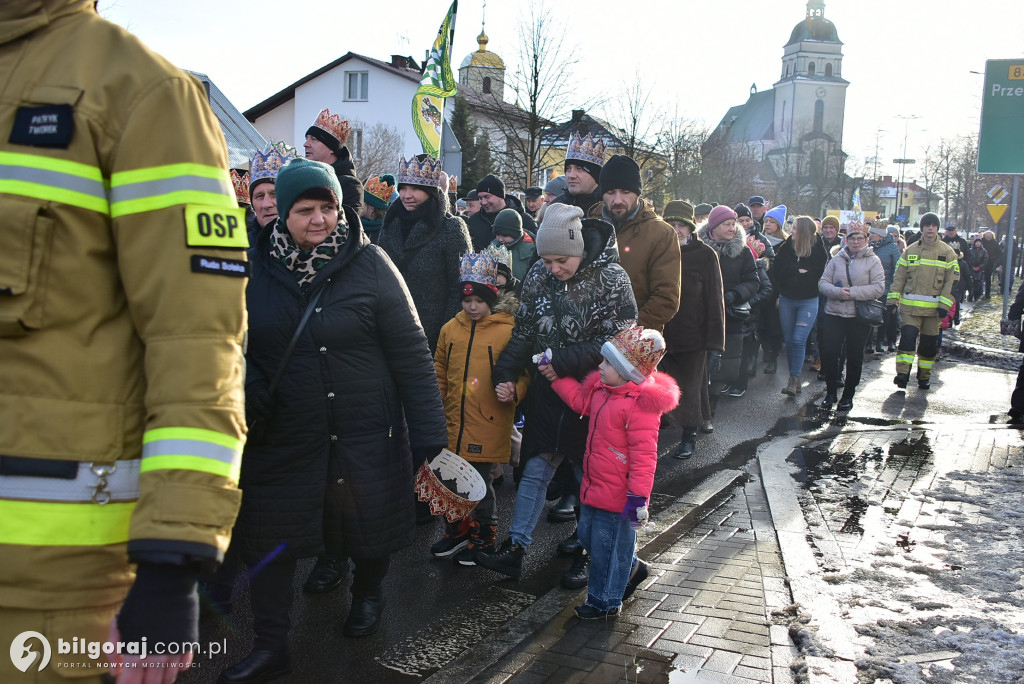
(479, 426)
(625, 398)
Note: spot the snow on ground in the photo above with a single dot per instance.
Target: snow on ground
(943, 603)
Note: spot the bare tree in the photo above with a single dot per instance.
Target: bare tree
(543, 89)
(636, 122)
(680, 142)
(376, 149)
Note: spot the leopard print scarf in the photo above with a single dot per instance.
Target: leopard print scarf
(304, 264)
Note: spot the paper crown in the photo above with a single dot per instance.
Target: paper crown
(451, 485)
(635, 352)
(415, 172)
(381, 188)
(333, 125)
(241, 183)
(480, 267)
(500, 253)
(266, 164)
(585, 149)
(453, 184)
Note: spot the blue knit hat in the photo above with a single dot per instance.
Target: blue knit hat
(778, 213)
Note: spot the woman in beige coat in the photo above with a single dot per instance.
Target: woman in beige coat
(855, 273)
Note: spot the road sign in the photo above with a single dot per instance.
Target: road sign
(997, 194)
(996, 211)
(904, 161)
(1002, 117)
(901, 218)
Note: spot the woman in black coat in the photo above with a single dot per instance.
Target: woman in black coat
(739, 282)
(697, 328)
(426, 243)
(333, 464)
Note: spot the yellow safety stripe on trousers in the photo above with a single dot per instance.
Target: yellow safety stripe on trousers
(53, 180)
(159, 187)
(191, 449)
(925, 363)
(905, 358)
(34, 523)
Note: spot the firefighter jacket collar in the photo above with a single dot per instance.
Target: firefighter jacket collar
(18, 18)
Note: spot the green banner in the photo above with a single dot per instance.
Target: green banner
(438, 83)
(1001, 142)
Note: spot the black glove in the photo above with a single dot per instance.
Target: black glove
(714, 362)
(258, 406)
(730, 298)
(892, 308)
(162, 605)
(427, 453)
(943, 313)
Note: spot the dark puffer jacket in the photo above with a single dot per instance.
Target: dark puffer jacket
(351, 186)
(700, 322)
(427, 254)
(739, 273)
(573, 318)
(359, 388)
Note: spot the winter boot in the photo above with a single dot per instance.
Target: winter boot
(846, 401)
(829, 400)
(687, 443)
(578, 574)
(901, 380)
(456, 538)
(482, 538)
(569, 545)
(792, 387)
(506, 559)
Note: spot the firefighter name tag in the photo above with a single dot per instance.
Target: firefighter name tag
(215, 227)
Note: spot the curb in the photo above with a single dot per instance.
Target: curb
(509, 643)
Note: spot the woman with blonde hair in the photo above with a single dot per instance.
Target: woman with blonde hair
(799, 263)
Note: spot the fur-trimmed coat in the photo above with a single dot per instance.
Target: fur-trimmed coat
(479, 426)
(622, 444)
(739, 273)
(428, 257)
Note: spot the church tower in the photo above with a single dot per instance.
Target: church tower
(810, 95)
(483, 71)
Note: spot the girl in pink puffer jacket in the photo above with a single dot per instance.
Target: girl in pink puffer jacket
(624, 398)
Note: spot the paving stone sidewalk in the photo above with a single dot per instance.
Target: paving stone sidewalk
(712, 611)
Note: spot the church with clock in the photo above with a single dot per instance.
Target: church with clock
(790, 137)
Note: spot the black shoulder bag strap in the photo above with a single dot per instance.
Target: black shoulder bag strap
(292, 342)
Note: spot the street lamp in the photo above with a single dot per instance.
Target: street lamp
(903, 161)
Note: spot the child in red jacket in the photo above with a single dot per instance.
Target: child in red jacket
(624, 398)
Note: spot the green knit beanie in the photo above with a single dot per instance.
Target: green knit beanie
(508, 222)
(300, 175)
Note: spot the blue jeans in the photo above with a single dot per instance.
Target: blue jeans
(611, 543)
(796, 316)
(530, 498)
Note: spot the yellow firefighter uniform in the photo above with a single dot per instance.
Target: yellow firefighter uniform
(122, 274)
(922, 286)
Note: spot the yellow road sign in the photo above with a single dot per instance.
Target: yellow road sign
(996, 211)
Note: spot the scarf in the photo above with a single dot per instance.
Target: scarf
(304, 264)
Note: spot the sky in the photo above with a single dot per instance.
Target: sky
(903, 58)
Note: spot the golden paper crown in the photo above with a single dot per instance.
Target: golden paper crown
(266, 164)
(585, 149)
(241, 183)
(447, 467)
(641, 348)
(334, 125)
(416, 172)
(379, 187)
(481, 267)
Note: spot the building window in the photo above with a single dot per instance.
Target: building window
(819, 115)
(810, 69)
(357, 86)
(787, 71)
(828, 69)
(487, 85)
(355, 143)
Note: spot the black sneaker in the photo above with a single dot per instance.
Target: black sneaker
(508, 559)
(901, 380)
(456, 537)
(725, 389)
(589, 612)
(736, 392)
(578, 574)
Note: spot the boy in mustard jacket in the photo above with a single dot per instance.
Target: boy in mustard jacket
(479, 426)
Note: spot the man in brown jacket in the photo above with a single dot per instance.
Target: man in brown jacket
(648, 247)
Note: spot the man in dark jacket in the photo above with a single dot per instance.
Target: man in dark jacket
(534, 201)
(584, 159)
(745, 218)
(758, 208)
(325, 142)
(491, 191)
(830, 233)
(953, 239)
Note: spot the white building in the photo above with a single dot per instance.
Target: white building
(362, 90)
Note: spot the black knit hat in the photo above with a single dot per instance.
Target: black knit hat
(742, 209)
(620, 173)
(590, 167)
(333, 144)
(930, 219)
(485, 292)
(491, 184)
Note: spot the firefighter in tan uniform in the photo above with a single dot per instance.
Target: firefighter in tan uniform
(922, 288)
(122, 274)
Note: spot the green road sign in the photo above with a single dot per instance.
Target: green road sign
(1001, 143)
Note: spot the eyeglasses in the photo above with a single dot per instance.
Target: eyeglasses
(856, 237)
